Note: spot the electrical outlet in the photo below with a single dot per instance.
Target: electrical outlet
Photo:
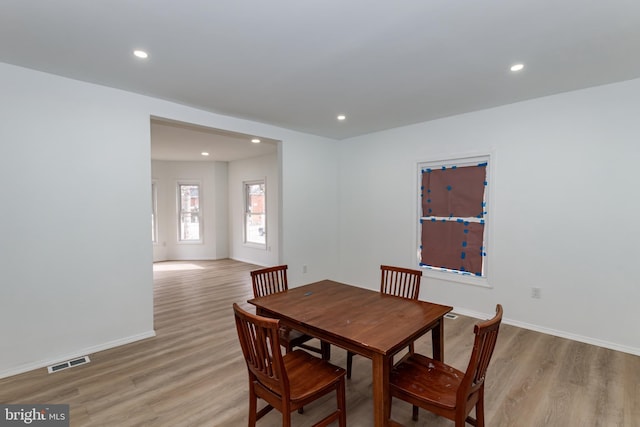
(304, 269)
(536, 293)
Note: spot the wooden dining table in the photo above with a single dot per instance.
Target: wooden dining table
(366, 322)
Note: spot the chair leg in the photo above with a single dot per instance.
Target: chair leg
(288, 348)
(349, 364)
(253, 407)
(414, 413)
(460, 418)
(286, 419)
(342, 403)
(480, 408)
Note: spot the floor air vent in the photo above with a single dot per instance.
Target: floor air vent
(68, 364)
(450, 316)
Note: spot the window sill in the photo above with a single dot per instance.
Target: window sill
(255, 246)
(457, 278)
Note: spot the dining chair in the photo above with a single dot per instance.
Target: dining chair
(267, 281)
(288, 382)
(442, 389)
(396, 281)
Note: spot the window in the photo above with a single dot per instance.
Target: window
(154, 210)
(255, 217)
(189, 227)
(452, 208)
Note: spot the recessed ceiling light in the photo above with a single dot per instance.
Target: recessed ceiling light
(204, 153)
(517, 67)
(255, 141)
(342, 117)
(141, 54)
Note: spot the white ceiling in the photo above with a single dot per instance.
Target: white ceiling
(297, 64)
(175, 141)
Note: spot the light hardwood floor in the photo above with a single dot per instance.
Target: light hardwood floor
(192, 373)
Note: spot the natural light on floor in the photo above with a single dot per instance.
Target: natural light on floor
(175, 266)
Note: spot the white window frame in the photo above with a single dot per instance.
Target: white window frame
(246, 213)
(179, 212)
(454, 275)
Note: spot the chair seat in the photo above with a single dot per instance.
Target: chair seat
(427, 379)
(308, 374)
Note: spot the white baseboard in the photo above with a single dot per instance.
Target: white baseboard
(20, 369)
(249, 261)
(554, 332)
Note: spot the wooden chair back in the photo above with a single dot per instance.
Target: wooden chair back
(401, 282)
(267, 281)
(486, 335)
(260, 342)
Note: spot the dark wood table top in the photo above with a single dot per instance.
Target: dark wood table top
(358, 319)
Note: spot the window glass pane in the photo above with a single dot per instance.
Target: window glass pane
(455, 245)
(189, 212)
(255, 213)
(454, 192)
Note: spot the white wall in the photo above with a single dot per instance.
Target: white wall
(565, 196)
(212, 177)
(241, 171)
(75, 251)
(310, 210)
(75, 241)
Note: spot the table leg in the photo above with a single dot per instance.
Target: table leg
(325, 350)
(381, 399)
(437, 342)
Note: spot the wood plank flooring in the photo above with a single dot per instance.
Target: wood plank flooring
(192, 373)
